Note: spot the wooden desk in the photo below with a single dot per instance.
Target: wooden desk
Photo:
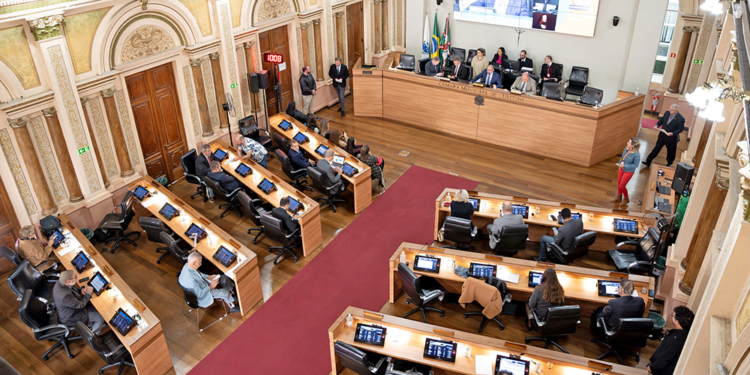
(565, 131)
(540, 225)
(309, 220)
(405, 340)
(359, 183)
(648, 196)
(244, 271)
(580, 284)
(145, 342)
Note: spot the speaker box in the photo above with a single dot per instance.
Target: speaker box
(253, 79)
(262, 79)
(683, 174)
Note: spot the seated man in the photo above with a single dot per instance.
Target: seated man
(664, 360)
(226, 181)
(488, 77)
(333, 174)
(432, 68)
(526, 62)
(205, 286)
(296, 159)
(203, 165)
(459, 70)
(248, 148)
(281, 213)
(506, 218)
(524, 84)
(30, 249)
(73, 303)
(625, 307)
(550, 72)
(564, 237)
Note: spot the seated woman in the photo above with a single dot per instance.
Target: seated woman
(336, 138)
(30, 249)
(375, 163)
(549, 293)
(461, 207)
(292, 111)
(312, 123)
(352, 148)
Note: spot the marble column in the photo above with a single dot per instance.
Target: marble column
(94, 144)
(63, 157)
(218, 88)
(682, 52)
(318, 51)
(118, 137)
(377, 24)
(708, 28)
(33, 166)
(384, 17)
(200, 95)
(249, 48)
(340, 30)
(303, 30)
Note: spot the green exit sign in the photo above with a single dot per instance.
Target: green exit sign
(233, 86)
(83, 150)
(696, 61)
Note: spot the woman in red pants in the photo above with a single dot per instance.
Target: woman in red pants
(627, 165)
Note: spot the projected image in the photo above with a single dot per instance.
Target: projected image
(575, 17)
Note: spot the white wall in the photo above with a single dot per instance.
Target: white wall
(614, 62)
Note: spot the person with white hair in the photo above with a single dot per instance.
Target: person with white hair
(507, 217)
(205, 287)
(333, 174)
(73, 305)
(670, 125)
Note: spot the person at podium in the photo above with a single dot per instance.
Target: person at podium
(488, 78)
(459, 70)
(432, 68)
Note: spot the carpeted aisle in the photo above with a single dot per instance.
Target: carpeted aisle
(289, 334)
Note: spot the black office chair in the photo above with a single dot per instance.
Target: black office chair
(561, 321)
(460, 231)
(457, 52)
(249, 128)
(228, 196)
(359, 361)
(25, 277)
(332, 191)
(580, 248)
(281, 142)
(153, 228)
(639, 260)
(252, 208)
(180, 250)
(108, 346)
(191, 300)
(16, 259)
(119, 222)
(470, 56)
(577, 82)
(553, 91)
(512, 238)
(633, 332)
(412, 285)
(406, 62)
(188, 169)
(591, 96)
(298, 176)
(401, 367)
(422, 65)
(43, 323)
(506, 296)
(277, 231)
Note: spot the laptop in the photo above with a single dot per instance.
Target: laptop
(664, 190)
(338, 161)
(664, 207)
(573, 215)
(535, 278)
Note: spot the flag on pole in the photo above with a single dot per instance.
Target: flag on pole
(435, 40)
(445, 42)
(426, 39)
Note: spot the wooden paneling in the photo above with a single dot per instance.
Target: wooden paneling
(276, 41)
(8, 227)
(367, 88)
(355, 32)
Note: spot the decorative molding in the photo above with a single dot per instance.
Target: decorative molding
(18, 122)
(124, 27)
(28, 104)
(316, 21)
(744, 161)
(108, 93)
(15, 53)
(701, 46)
(46, 27)
(236, 7)
(145, 41)
(127, 129)
(213, 56)
(208, 84)
(103, 138)
(244, 84)
(97, 83)
(195, 119)
(271, 9)
(202, 48)
(49, 112)
(231, 61)
(17, 171)
(196, 62)
(47, 158)
(690, 29)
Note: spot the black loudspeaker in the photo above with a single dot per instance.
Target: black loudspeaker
(683, 174)
(253, 79)
(262, 79)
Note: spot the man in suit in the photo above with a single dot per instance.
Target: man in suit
(506, 218)
(665, 358)
(524, 84)
(296, 159)
(73, 303)
(488, 77)
(226, 181)
(525, 61)
(625, 307)
(206, 287)
(550, 72)
(333, 174)
(308, 87)
(459, 70)
(672, 124)
(203, 166)
(339, 73)
(432, 68)
(564, 237)
(281, 213)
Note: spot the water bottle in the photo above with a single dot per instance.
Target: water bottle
(349, 320)
(637, 91)
(403, 257)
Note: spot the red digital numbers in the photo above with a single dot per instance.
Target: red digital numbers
(275, 58)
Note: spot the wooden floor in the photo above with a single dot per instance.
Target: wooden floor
(500, 171)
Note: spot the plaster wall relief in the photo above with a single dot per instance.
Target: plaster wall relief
(15, 168)
(236, 6)
(80, 30)
(247, 107)
(208, 83)
(270, 9)
(46, 156)
(103, 138)
(199, 10)
(194, 118)
(15, 53)
(127, 129)
(231, 57)
(146, 41)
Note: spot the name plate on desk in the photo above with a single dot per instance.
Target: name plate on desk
(482, 91)
(366, 72)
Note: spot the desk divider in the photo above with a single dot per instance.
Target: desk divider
(620, 212)
(107, 270)
(493, 257)
(234, 243)
(275, 178)
(71, 225)
(204, 221)
(373, 316)
(515, 346)
(92, 250)
(522, 199)
(138, 304)
(299, 194)
(619, 274)
(545, 265)
(436, 249)
(179, 201)
(443, 332)
(568, 205)
(600, 366)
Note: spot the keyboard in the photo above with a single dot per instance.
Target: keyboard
(665, 207)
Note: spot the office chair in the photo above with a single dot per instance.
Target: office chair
(252, 208)
(332, 191)
(191, 300)
(108, 346)
(422, 65)
(358, 360)
(577, 82)
(228, 196)
(119, 222)
(470, 56)
(15, 258)
(458, 52)
(281, 142)
(639, 260)
(188, 169)
(249, 128)
(561, 321)
(591, 96)
(179, 250)
(43, 323)
(298, 176)
(153, 228)
(277, 231)
(460, 231)
(492, 282)
(412, 285)
(25, 277)
(401, 367)
(405, 62)
(512, 238)
(580, 248)
(552, 90)
(633, 332)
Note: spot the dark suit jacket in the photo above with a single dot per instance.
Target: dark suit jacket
(464, 72)
(431, 69)
(529, 63)
(567, 233)
(495, 80)
(676, 126)
(71, 306)
(226, 181)
(556, 71)
(624, 307)
(202, 165)
(666, 355)
(344, 74)
(283, 215)
(326, 169)
(297, 160)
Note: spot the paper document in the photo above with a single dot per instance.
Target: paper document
(508, 277)
(483, 364)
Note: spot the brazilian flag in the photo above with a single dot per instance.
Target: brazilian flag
(435, 42)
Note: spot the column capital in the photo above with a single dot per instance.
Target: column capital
(722, 174)
(49, 112)
(196, 62)
(339, 14)
(689, 29)
(213, 56)
(108, 93)
(84, 101)
(744, 161)
(249, 44)
(304, 26)
(316, 21)
(18, 122)
(46, 27)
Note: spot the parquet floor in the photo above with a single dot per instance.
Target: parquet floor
(497, 170)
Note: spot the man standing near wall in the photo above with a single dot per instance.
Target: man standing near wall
(308, 86)
(339, 73)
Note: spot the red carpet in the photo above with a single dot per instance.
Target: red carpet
(648, 123)
(289, 334)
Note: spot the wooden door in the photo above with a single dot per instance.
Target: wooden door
(8, 228)
(156, 109)
(355, 33)
(276, 41)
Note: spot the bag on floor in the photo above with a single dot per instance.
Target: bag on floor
(441, 234)
(49, 224)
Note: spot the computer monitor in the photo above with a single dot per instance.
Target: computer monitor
(80, 261)
(140, 193)
(243, 170)
(98, 282)
(220, 154)
(301, 138)
(440, 350)
(482, 271)
(266, 185)
(169, 211)
(370, 334)
(426, 264)
(535, 278)
(609, 288)
(515, 65)
(122, 321)
(225, 256)
(348, 169)
(195, 230)
(475, 202)
(321, 150)
(626, 226)
(406, 62)
(295, 205)
(521, 209)
(573, 215)
(512, 365)
(285, 125)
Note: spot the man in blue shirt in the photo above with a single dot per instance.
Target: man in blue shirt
(205, 287)
(226, 181)
(296, 159)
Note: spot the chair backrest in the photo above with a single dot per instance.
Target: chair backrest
(24, 278)
(32, 311)
(11, 255)
(94, 341)
(632, 332)
(281, 141)
(127, 211)
(246, 206)
(646, 248)
(499, 284)
(422, 64)
(153, 228)
(458, 52)
(188, 162)
(457, 229)
(274, 228)
(470, 56)
(581, 244)
(512, 238)
(579, 76)
(592, 96)
(352, 358)
(249, 127)
(286, 166)
(410, 284)
(561, 321)
(552, 90)
(190, 298)
(317, 180)
(172, 245)
(218, 190)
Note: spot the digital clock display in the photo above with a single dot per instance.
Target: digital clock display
(275, 58)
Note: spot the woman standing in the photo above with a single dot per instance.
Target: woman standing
(629, 161)
(549, 293)
(479, 62)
